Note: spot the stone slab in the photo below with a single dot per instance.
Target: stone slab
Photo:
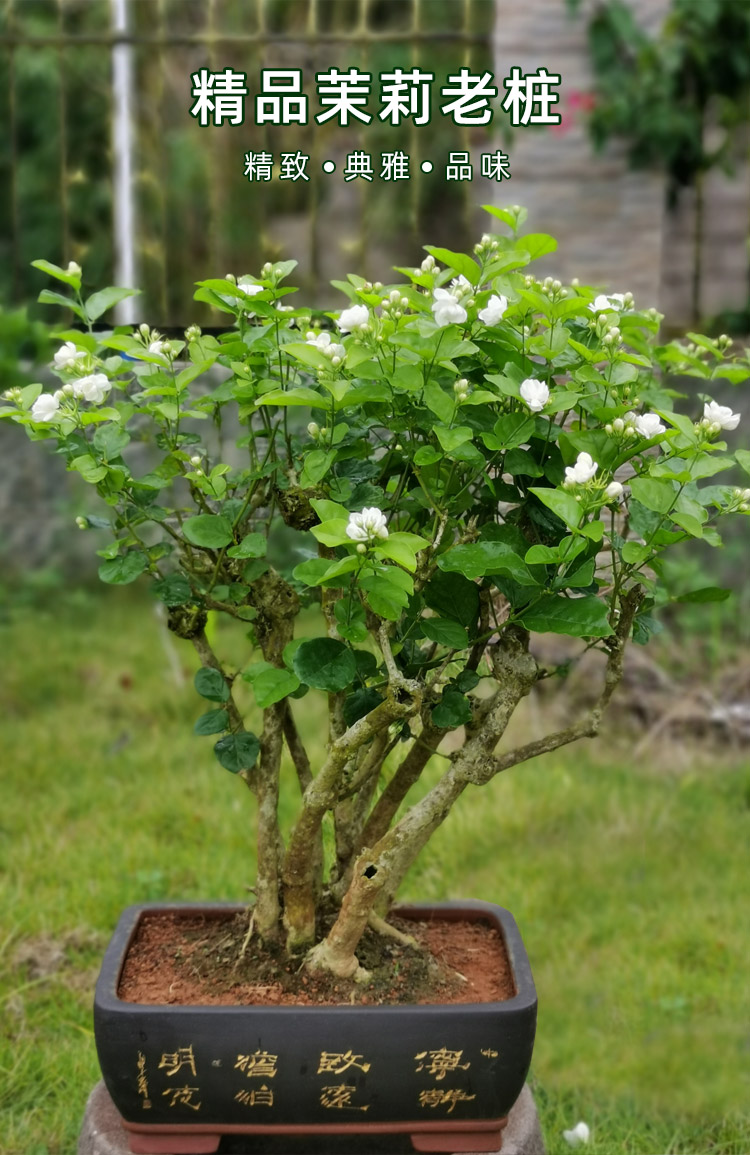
(103, 1134)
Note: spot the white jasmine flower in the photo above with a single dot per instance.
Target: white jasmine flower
(248, 285)
(94, 388)
(534, 393)
(367, 526)
(160, 348)
(461, 285)
(353, 318)
(446, 309)
(604, 303)
(323, 342)
(584, 469)
(720, 415)
(648, 425)
(45, 407)
(493, 310)
(67, 355)
(579, 1134)
(614, 491)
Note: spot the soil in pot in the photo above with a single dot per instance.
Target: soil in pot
(207, 961)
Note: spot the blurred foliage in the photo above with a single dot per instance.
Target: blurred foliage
(195, 209)
(657, 92)
(24, 344)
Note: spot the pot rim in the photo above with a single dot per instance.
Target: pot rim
(472, 910)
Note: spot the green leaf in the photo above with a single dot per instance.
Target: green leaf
(252, 545)
(635, 554)
(98, 303)
(453, 596)
(317, 464)
(208, 530)
(308, 355)
(486, 557)
(211, 684)
(47, 297)
(120, 571)
(446, 633)
(110, 440)
(72, 279)
(705, 594)
(743, 459)
(439, 402)
(427, 455)
(450, 439)
(384, 597)
(402, 548)
(300, 396)
(212, 722)
(173, 590)
(325, 664)
(584, 617)
(654, 494)
(537, 244)
(237, 752)
(272, 685)
(563, 504)
(462, 263)
(359, 703)
(333, 532)
(453, 709)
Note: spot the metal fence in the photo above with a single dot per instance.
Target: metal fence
(195, 212)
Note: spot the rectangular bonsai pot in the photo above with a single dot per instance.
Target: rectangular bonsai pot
(441, 1073)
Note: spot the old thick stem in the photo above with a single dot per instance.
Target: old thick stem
(304, 776)
(336, 952)
(267, 906)
(386, 807)
(320, 796)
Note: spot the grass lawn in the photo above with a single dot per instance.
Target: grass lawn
(630, 885)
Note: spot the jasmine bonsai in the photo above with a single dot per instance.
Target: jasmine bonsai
(449, 466)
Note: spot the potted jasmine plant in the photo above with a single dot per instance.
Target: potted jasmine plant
(450, 466)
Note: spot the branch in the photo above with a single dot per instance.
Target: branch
(208, 658)
(297, 750)
(587, 727)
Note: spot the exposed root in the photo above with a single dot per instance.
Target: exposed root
(322, 958)
(381, 927)
(246, 940)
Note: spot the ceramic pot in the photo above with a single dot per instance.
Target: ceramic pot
(184, 1076)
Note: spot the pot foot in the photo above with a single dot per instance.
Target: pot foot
(174, 1144)
(459, 1141)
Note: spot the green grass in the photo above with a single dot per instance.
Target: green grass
(629, 884)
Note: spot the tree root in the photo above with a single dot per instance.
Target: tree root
(380, 926)
(322, 958)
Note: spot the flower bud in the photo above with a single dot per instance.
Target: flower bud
(361, 548)
(378, 286)
(193, 332)
(82, 522)
(463, 396)
(74, 268)
(313, 429)
(196, 459)
(618, 425)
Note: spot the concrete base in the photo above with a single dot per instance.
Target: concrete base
(103, 1134)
